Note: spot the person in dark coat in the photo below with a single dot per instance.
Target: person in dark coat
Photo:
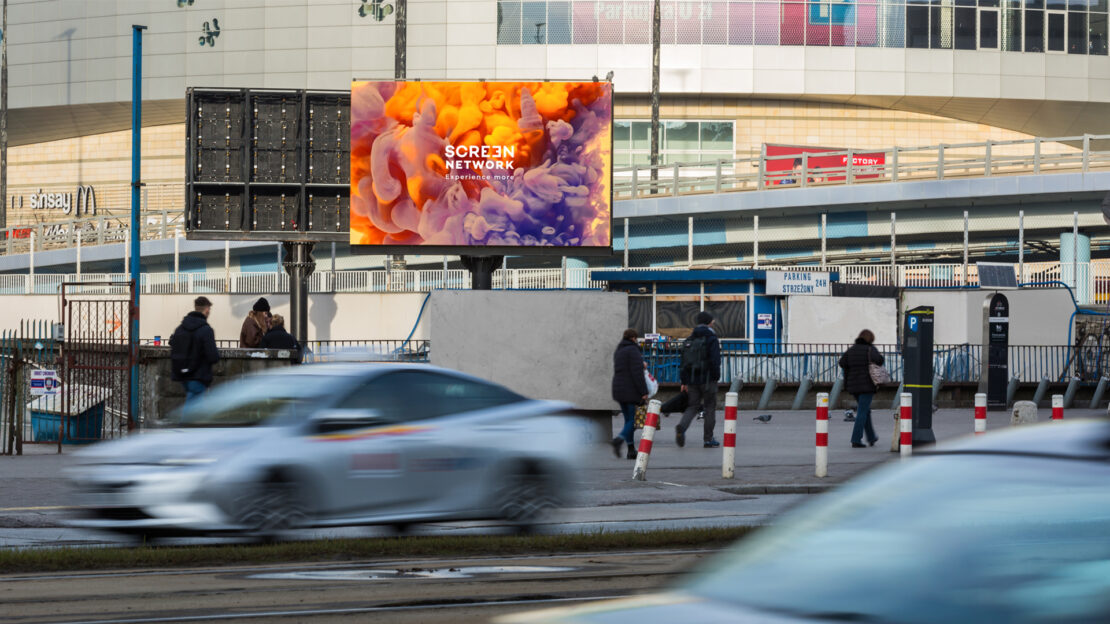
(278, 338)
(255, 325)
(629, 388)
(856, 362)
(701, 384)
(195, 343)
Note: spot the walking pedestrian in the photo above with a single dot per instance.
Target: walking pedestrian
(255, 325)
(278, 338)
(629, 388)
(193, 350)
(856, 362)
(700, 371)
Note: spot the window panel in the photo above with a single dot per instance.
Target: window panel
(940, 27)
(792, 30)
(680, 135)
(1098, 34)
(622, 132)
(1077, 5)
(558, 22)
(1097, 6)
(714, 23)
(585, 22)
(1034, 31)
(508, 23)
(989, 3)
(641, 135)
(965, 29)
(766, 23)
(917, 27)
(688, 23)
(533, 28)
(1055, 32)
(1058, 5)
(893, 31)
(667, 23)
(1011, 29)
(637, 22)
(1077, 33)
(1034, 4)
(717, 135)
(741, 21)
(988, 29)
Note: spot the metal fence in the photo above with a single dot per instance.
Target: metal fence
(791, 363)
(29, 348)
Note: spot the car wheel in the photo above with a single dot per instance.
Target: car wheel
(525, 498)
(273, 505)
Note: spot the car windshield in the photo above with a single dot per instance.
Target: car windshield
(954, 539)
(255, 400)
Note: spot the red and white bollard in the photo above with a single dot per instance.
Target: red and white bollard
(1057, 407)
(906, 440)
(980, 413)
(728, 461)
(822, 434)
(651, 424)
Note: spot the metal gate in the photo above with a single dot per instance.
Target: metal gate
(96, 355)
(23, 350)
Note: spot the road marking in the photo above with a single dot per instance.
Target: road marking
(271, 614)
(55, 508)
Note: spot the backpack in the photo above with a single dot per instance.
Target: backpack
(695, 356)
(183, 354)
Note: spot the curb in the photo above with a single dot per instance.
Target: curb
(776, 489)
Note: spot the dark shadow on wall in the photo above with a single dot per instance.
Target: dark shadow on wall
(321, 313)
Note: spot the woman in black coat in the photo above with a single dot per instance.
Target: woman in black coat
(629, 387)
(856, 362)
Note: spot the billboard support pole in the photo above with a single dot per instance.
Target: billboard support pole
(299, 264)
(400, 67)
(136, 232)
(481, 270)
(4, 121)
(655, 33)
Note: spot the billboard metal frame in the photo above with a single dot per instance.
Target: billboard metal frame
(500, 250)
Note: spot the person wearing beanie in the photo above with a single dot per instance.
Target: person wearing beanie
(699, 372)
(255, 325)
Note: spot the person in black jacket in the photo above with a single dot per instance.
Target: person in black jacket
(193, 350)
(856, 362)
(278, 338)
(629, 387)
(700, 381)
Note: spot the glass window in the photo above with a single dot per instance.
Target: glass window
(717, 135)
(637, 22)
(533, 27)
(641, 135)
(1034, 4)
(508, 23)
(1034, 31)
(965, 29)
(1098, 34)
(622, 136)
(1054, 34)
(1011, 29)
(585, 22)
(558, 22)
(741, 20)
(259, 399)
(940, 27)
(988, 29)
(1077, 5)
(729, 315)
(1056, 4)
(1097, 5)
(894, 16)
(1077, 33)
(714, 23)
(610, 24)
(680, 135)
(917, 27)
(988, 3)
(393, 395)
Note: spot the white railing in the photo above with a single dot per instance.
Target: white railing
(1091, 284)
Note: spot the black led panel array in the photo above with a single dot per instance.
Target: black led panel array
(268, 165)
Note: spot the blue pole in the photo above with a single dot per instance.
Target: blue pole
(136, 238)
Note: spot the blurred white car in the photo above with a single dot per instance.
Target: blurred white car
(1009, 527)
(332, 445)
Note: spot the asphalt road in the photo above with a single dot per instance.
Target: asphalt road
(400, 592)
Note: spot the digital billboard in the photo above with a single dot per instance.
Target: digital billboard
(519, 167)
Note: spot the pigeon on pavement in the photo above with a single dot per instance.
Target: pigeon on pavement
(763, 418)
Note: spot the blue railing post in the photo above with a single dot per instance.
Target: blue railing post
(136, 228)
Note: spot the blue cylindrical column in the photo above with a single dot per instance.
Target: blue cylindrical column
(136, 230)
(1075, 264)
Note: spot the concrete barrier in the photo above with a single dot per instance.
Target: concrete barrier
(1024, 413)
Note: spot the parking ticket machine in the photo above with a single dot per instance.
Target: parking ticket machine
(917, 370)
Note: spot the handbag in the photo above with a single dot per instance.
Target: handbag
(641, 416)
(879, 374)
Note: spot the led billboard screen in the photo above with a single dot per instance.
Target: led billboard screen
(513, 166)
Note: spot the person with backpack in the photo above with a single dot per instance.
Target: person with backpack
(856, 362)
(193, 350)
(700, 371)
(629, 388)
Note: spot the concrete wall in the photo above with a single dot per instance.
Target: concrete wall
(838, 320)
(343, 316)
(548, 345)
(1037, 316)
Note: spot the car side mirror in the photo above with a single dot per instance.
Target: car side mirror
(329, 420)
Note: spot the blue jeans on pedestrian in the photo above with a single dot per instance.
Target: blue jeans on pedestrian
(863, 420)
(193, 389)
(629, 411)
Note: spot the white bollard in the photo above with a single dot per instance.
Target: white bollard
(728, 461)
(1057, 407)
(906, 441)
(822, 434)
(980, 413)
(651, 424)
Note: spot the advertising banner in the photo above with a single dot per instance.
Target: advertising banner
(785, 165)
(513, 165)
